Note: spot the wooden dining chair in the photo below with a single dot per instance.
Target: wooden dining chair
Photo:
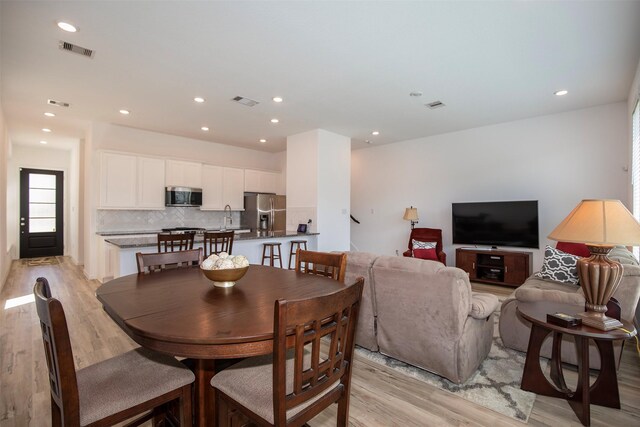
(331, 265)
(296, 383)
(153, 262)
(168, 242)
(216, 242)
(110, 391)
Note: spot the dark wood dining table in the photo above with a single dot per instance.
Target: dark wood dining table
(179, 312)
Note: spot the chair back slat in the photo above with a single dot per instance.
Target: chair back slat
(58, 353)
(154, 262)
(332, 265)
(216, 242)
(306, 322)
(175, 242)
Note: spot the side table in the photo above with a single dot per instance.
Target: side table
(603, 392)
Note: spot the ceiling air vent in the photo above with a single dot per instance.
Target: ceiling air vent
(75, 49)
(245, 101)
(58, 103)
(435, 104)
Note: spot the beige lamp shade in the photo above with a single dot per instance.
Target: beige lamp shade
(599, 222)
(411, 214)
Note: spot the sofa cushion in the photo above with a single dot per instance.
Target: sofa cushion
(577, 249)
(559, 266)
(482, 305)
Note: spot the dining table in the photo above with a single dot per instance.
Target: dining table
(181, 313)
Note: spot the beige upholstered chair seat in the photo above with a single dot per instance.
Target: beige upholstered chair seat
(250, 383)
(105, 391)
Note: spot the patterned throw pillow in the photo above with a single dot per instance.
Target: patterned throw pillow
(424, 250)
(559, 266)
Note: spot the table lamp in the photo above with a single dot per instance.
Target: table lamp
(600, 224)
(411, 214)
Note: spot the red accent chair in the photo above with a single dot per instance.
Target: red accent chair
(427, 235)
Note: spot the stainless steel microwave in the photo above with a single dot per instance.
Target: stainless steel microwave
(183, 196)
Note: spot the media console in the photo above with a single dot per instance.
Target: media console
(497, 267)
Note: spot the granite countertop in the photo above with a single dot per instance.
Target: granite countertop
(141, 242)
(135, 232)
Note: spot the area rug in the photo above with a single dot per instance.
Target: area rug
(35, 262)
(495, 385)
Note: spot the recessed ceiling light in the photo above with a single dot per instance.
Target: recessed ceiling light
(46, 130)
(49, 114)
(263, 140)
(125, 112)
(277, 99)
(375, 132)
(198, 99)
(43, 142)
(65, 26)
(561, 92)
(204, 128)
(275, 120)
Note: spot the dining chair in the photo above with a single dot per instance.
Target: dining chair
(296, 383)
(331, 265)
(110, 391)
(168, 242)
(216, 242)
(153, 262)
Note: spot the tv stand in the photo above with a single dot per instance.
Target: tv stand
(496, 267)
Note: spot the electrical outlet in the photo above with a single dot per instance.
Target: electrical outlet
(371, 210)
(397, 253)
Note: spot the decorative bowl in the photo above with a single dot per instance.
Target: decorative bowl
(225, 278)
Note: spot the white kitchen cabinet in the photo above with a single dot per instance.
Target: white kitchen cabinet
(117, 181)
(233, 188)
(131, 182)
(212, 188)
(150, 183)
(261, 181)
(222, 186)
(183, 174)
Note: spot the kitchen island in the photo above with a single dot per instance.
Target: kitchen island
(122, 250)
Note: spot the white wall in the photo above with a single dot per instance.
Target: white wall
(334, 191)
(318, 175)
(557, 159)
(634, 95)
(5, 253)
(37, 158)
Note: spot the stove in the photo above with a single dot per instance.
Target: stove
(183, 230)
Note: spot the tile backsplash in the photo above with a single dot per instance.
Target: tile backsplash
(134, 220)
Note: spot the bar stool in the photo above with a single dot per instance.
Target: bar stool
(272, 256)
(300, 244)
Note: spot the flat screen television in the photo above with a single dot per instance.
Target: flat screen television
(513, 223)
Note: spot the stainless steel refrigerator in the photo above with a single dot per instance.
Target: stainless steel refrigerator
(265, 212)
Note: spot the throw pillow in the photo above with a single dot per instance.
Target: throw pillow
(559, 266)
(426, 254)
(578, 249)
(424, 250)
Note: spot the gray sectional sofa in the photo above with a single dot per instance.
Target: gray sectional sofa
(566, 298)
(422, 313)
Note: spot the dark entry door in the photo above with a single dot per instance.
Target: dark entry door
(41, 213)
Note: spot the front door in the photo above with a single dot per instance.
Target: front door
(40, 213)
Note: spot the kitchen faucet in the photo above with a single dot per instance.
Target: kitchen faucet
(229, 217)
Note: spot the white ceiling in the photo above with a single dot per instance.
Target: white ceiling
(347, 67)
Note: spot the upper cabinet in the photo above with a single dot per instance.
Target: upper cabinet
(261, 182)
(183, 174)
(131, 182)
(150, 180)
(222, 186)
(233, 188)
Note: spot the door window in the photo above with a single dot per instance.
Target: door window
(42, 203)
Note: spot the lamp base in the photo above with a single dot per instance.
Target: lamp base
(599, 321)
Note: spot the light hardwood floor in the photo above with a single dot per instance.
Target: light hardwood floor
(380, 396)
